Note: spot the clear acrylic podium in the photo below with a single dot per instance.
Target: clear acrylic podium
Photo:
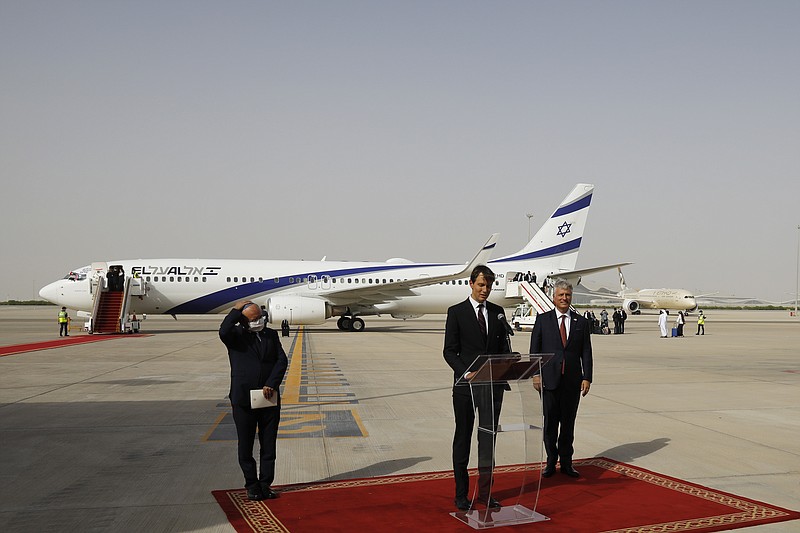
(523, 418)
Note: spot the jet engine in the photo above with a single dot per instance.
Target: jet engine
(631, 306)
(297, 310)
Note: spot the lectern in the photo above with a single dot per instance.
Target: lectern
(522, 414)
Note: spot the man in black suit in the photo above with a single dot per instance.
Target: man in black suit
(565, 378)
(475, 327)
(257, 362)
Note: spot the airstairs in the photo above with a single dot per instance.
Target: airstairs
(110, 310)
(536, 301)
(531, 293)
(106, 318)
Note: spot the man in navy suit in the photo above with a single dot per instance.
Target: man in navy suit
(475, 327)
(565, 378)
(257, 362)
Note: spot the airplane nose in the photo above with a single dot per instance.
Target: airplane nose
(50, 292)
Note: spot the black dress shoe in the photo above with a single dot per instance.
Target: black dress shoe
(491, 503)
(270, 494)
(548, 471)
(255, 494)
(571, 472)
(462, 504)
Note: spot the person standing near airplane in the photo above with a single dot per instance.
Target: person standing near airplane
(257, 361)
(679, 323)
(475, 327)
(701, 323)
(63, 322)
(662, 323)
(563, 379)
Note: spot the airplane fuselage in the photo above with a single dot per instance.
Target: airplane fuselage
(179, 286)
(676, 299)
(309, 292)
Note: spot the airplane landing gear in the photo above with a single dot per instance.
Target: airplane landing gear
(349, 323)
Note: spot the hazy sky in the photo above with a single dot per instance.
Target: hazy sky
(372, 129)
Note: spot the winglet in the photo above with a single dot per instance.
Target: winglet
(481, 258)
(483, 255)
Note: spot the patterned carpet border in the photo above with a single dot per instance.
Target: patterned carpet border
(257, 517)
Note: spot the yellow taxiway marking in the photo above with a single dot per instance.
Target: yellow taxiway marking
(291, 389)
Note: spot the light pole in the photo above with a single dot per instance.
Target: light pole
(530, 216)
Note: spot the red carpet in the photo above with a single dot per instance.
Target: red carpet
(609, 497)
(61, 342)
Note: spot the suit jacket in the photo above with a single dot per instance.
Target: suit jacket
(463, 340)
(257, 359)
(576, 356)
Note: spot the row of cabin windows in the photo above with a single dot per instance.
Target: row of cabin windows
(172, 278)
(235, 279)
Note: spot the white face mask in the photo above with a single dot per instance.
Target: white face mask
(256, 325)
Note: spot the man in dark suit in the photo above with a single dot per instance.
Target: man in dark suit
(257, 362)
(565, 378)
(475, 327)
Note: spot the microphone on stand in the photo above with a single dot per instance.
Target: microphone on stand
(502, 318)
(509, 332)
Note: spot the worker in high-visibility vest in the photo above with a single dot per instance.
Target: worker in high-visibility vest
(63, 322)
(701, 324)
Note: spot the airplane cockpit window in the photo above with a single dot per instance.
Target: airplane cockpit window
(76, 276)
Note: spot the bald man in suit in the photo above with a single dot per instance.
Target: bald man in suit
(565, 378)
(474, 328)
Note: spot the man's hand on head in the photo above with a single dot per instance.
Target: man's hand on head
(251, 311)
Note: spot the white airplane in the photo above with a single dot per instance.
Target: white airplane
(310, 292)
(634, 300)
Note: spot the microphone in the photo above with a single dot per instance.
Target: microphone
(502, 318)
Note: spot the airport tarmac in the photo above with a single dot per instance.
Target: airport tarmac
(133, 433)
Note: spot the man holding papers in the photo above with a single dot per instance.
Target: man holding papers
(258, 362)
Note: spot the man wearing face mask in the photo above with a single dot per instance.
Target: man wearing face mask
(257, 362)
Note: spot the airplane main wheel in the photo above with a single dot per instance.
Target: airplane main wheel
(357, 324)
(344, 323)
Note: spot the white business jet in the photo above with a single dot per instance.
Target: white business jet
(310, 292)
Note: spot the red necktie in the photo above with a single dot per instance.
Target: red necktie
(482, 319)
(563, 330)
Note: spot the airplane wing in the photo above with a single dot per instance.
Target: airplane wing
(369, 296)
(578, 274)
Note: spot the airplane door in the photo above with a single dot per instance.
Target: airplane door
(312, 282)
(326, 282)
(97, 276)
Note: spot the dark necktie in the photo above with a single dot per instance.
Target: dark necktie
(481, 319)
(563, 330)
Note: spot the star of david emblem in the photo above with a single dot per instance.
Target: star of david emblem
(563, 229)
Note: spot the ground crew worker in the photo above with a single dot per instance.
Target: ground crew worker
(701, 324)
(63, 322)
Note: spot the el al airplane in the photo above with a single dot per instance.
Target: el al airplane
(635, 300)
(310, 292)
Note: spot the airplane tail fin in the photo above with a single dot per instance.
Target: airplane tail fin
(622, 286)
(559, 238)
